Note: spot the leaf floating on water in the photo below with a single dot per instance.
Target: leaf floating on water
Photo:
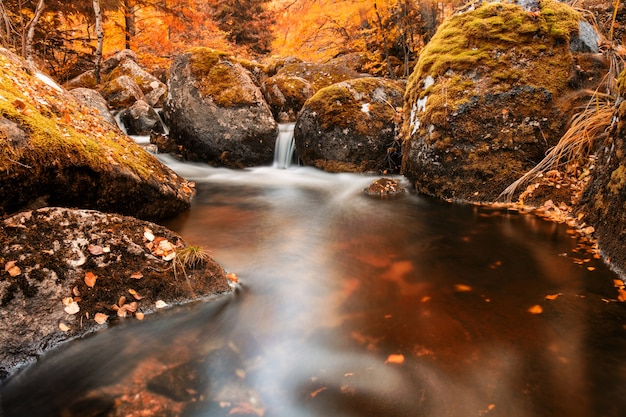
(246, 410)
(137, 275)
(395, 358)
(552, 296)
(462, 288)
(72, 308)
(317, 391)
(64, 327)
(101, 318)
(536, 309)
(90, 279)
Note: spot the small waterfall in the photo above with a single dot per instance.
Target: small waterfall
(285, 151)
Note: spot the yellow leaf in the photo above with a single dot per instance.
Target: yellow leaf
(536, 309)
(12, 269)
(90, 279)
(395, 358)
(64, 327)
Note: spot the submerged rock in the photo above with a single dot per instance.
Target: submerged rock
(68, 272)
(491, 92)
(351, 126)
(217, 112)
(384, 187)
(58, 152)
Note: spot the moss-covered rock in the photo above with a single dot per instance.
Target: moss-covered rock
(351, 126)
(286, 95)
(121, 92)
(319, 75)
(217, 113)
(488, 97)
(55, 151)
(154, 91)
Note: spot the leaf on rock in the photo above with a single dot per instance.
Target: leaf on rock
(90, 279)
(233, 277)
(621, 294)
(12, 269)
(536, 309)
(101, 318)
(96, 250)
(552, 296)
(148, 235)
(72, 308)
(64, 327)
(618, 283)
(135, 294)
(137, 275)
(139, 315)
(160, 304)
(462, 288)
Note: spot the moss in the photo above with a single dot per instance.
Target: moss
(617, 181)
(57, 128)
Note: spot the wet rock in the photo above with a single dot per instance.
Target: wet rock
(486, 101)
(384, 187)
(286, 95)
(183, 383)
(93, 99)
(65, 273)
(141, 119)
(121, 92)
(318, 75)
(163, 142)
(351, 126)
(56, 153)
(217, 113)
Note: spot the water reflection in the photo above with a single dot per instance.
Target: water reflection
(353, 306)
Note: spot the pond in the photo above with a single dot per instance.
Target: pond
(350, 306)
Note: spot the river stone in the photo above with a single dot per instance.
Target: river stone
(48, 257)
(319, 75)
(55, 152)
(121, 92)
(351, 126)
(217, 113)
(141, 119)
(93, 99)
(286, 95)
(491, 92)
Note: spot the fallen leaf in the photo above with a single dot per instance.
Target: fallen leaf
(148, 235)
(552, 296)
(462, 288)
(139, 315)
(591, 268)
(72, 308)
(618, 283)
(317, 391)
(135, 294)
(96, 250)
(395, 358)
(76, 291)
(536, 309)
(101, 318)
(170, 256)
(425, 299)
(90, 279)
(621, 294)
(137, 275)
(12, 269)
(64, 327)
(232, 277)
(160, 304)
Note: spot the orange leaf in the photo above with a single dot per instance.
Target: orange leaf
(621, 294)
(536, 309)
(101, 318)
(232, 277)
(90, 279)
(552, 296)
(137, 275)
(618, 283)
(317, 391)
(462, 288)
(399, 358)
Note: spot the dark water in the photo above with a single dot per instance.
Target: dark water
(353, 306)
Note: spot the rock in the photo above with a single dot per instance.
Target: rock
(121, 92)
(384, 187)
(351, 126)
(64, 272)
(85, 80)
(286, 95)
(141, 119)
(56, 153)
(163, 142)
(154, 91)
(114, 60)
(93, 99)
(487, 99)
(319, 75)
(217, 113)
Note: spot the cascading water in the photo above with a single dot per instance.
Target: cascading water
(285, 151)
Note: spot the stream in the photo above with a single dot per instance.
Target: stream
(351, 306)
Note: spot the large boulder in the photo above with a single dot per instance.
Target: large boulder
(491, 93)
(217, 113)
(351, 126)
(141, 119)
(69, 272)
(55, 151)
(121, 92)
(154, 91)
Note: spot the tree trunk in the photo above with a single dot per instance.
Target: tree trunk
(129, 22)
(27, 41)
(100, 35)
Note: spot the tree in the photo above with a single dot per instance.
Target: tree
(100, 35)
(27, 39)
